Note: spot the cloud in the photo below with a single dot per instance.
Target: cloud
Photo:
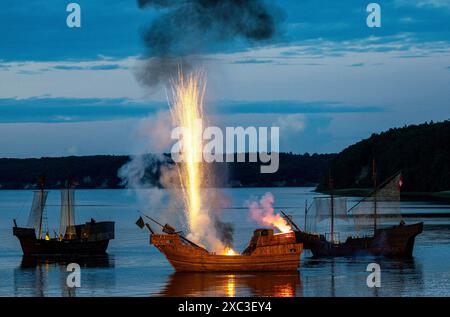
(293, 123)
(291, 107)
(424, 3)
(92, 109)
(62, 139)
(89, 67)
(253, 61)
(306, 133)
(48, 110)
(36, 29)
(96, 78)
(404, 43)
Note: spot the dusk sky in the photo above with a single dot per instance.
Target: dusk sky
(326, 79)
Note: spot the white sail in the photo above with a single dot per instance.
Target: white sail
(323, 210)
(320, 210)
(383, 204)
(37, 209)
(67, 211)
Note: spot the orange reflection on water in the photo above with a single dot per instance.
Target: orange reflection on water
(286, 290)
(230, 290)
(282, 284)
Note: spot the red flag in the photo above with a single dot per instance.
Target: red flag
(400, 182)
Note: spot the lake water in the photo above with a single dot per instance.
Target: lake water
(135, 268)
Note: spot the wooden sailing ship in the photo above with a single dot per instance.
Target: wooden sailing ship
(391, 241)
(266, 251)
(395, 241)
(91, 238)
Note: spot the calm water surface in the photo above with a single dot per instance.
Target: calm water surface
(134, 268)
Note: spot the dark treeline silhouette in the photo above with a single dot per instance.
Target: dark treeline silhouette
(98, 171)
(101, 171)
(421, 152)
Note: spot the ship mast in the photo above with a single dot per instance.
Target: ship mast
(41, 184)
(67, 210)
(374, 179)
(68, 202)
(306, 211)
(330, 180)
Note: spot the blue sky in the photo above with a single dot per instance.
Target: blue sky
(327, 79)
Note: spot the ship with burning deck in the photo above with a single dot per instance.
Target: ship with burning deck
(266, 251)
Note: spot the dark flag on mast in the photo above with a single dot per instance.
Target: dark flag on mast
(140, 223)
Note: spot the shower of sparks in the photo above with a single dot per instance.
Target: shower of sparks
(187, 112)
(188, 93)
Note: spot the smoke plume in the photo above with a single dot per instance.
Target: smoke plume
(186, 30)
(263, 212)
(225, 232)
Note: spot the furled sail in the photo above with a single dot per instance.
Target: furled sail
(67, 212)
(383, 203)
(37, 209)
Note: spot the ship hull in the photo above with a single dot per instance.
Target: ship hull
(268, 253)
(94, 241)
(396, 241)
(39, 247)
(236, 263)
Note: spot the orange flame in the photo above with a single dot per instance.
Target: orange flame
(229, 251)
(263, 212)
(278, 222)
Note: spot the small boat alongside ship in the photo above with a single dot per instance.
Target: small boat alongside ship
(266, 251)
(382, 203)
(88, 239)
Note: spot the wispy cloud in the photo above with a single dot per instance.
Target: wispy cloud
(292, 107)
(92, 109)
(91, 67)
(405, 44)
(73, 110)
(28, 26)
(253, 61)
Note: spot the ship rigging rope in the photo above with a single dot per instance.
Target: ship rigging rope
(20, 210)
(387, 181)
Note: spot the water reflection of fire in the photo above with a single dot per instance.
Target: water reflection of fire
(225, 284)
(285, 290)
(230, 290)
